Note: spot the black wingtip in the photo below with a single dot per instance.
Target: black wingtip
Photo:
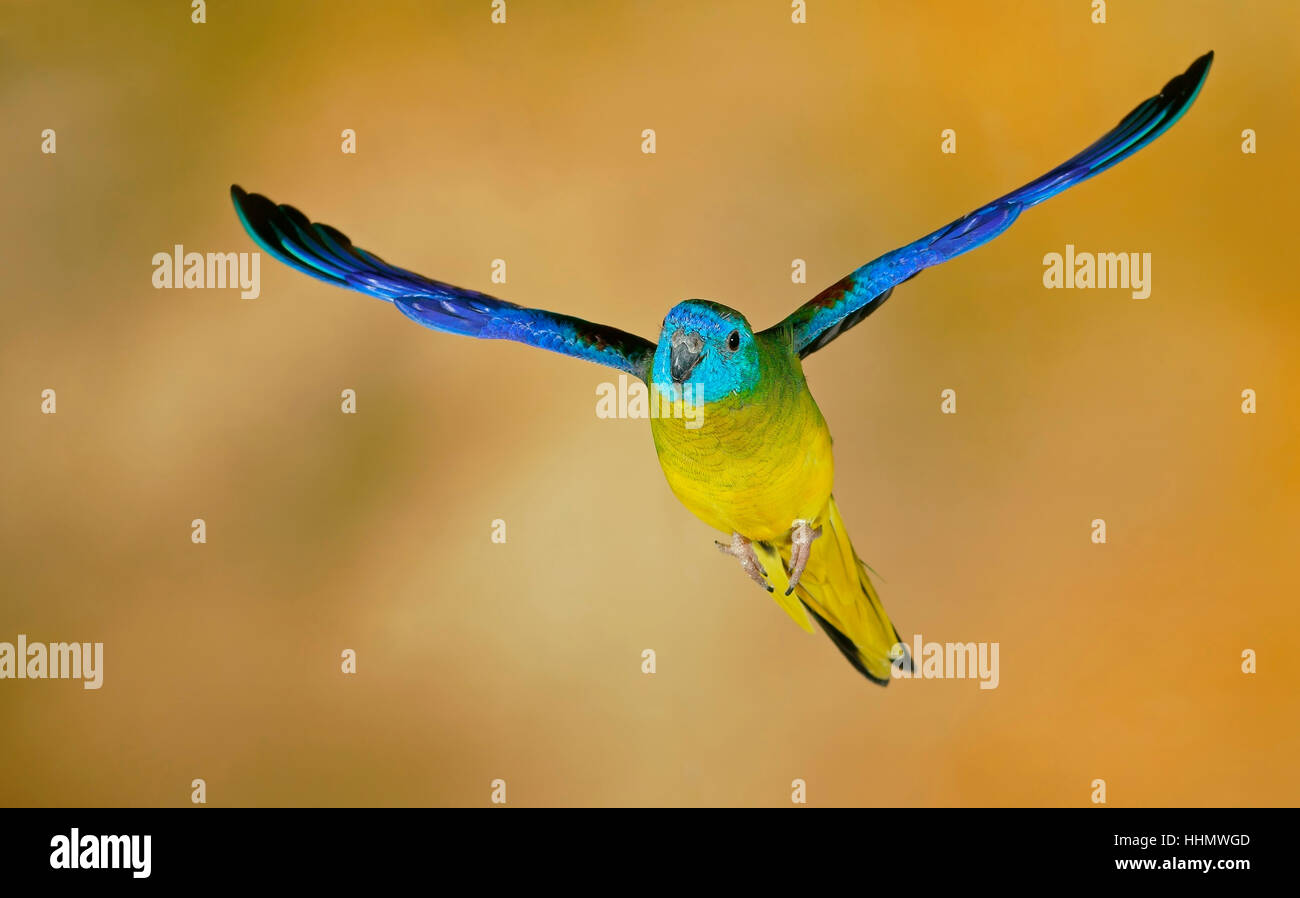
(1191, 80)
(243, 201)
(1181, 90)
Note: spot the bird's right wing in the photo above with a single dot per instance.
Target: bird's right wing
(322, 252)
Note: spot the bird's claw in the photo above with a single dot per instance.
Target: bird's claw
(802, 535)
(743, 551)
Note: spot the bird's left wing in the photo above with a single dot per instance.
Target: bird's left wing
(845, 303)
(322, 252)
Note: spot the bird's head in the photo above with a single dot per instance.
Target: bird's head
(707, 345)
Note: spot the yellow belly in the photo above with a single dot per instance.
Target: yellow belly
(750, 467)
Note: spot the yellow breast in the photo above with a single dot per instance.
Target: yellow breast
(750, 465)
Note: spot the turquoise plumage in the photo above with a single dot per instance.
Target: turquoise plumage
(759, 467)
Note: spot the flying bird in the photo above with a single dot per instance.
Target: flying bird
(755, 462)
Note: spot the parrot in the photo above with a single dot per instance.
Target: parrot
(756, 463)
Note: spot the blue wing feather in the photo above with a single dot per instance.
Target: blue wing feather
(845, 303)
(327, 254)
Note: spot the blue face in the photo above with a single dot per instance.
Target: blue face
(709, 347)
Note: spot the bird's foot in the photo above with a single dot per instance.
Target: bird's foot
(743, 551)
(802, 535)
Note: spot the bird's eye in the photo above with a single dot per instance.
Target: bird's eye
(733, 341)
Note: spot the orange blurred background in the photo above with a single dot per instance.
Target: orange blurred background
(522, 661)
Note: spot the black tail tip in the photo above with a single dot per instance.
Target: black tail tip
(846, 646)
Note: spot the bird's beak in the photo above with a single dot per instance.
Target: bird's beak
(687, 350)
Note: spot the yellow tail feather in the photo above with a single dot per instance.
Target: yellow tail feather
(836, 589)
(775, 565)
